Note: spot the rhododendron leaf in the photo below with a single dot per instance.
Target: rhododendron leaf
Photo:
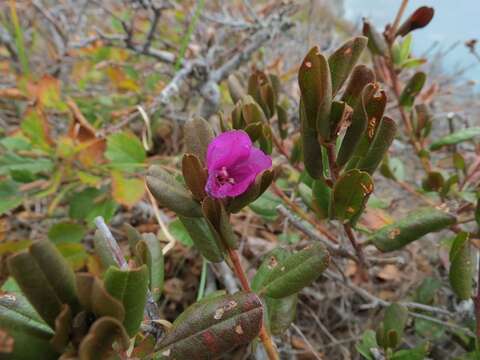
(433, 182)
(102, 250)
(130, 288)
(29, 333)
(95, 299)
(295, 272)
(419, 19)
(265, 140)
(218, 220)
(357, 127)
(45, 278)
(195, 175)
(282, 118)
(376, 41)
(261, 90)
(343, 59)
(312, 151)
(361, 76)
(198, 133)
(321, 199)
(212, 327)
(315, 84)
(456, 137)
(461, 267)
(350, 195)
(414, 226)
(383, 138)
(254, 131)
(261, 184)
(203, 238)
(170, 193)
(235, 88)
(281, 313)
(63, 325)
(149, 252)
(97, 345)
(340, 113)
(412, 89)
(251, 111)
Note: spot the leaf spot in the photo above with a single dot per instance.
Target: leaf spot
(272, 263)
(218, 313)
(394, 233)
(167, 352)
(308, 64)
(239, 329)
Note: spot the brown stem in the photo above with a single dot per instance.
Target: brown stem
(240, 273)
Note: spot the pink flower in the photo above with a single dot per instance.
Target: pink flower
(233, 163)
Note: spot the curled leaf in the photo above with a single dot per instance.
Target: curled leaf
(419, 19)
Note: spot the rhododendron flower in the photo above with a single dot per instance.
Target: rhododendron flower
(233, 163)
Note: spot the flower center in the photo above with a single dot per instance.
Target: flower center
(223, 177)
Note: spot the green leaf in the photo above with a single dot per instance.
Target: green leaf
(150, 253)
(45, 278)
(125, 151)
(213, 327)
(103, 251)
(34, 127)
(413, 227)
(266, 206)
(170, 193)
(126, 191)
(296, 272)
(280, 313)
(315, 84)
(203, 238)
(12, 162)
(461, 267)
(311, 149)
(10, 195)
(425, 293)
(262, 182)
(384, 135)
(66, 232)
(357, 127)
(321, 198)
(394, 320)
(343, 59)
(412, 89)
(350, 195)
(90, 203)
(219, 223)
(367, 342)
(456, 138)
(130, 288)
(21, 325)
(418, 353)
(180, 233)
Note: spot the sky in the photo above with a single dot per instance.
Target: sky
(454, 20)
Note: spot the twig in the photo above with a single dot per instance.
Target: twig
(312, 350)
(242, 277)
(398, 17)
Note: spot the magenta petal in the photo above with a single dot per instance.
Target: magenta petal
(227, 149)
